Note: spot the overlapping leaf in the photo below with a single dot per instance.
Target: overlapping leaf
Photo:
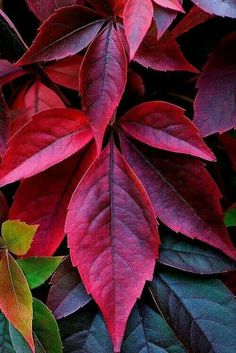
(67, 293)
(170, 4)
(201, 311)
(5, 340)
(56, 40)
(148, 332)
(15, 297)
(31, 100)
(38, 269)
(215, 109)
(44, 9)
(218, 7)
(102, 80)
(162, 55)
(43, 200)
(53, 135)
(164, 125)
(137, 20)
(183, 194)
(191, 256)
(116, 265)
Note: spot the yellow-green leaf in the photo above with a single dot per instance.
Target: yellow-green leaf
(15, 296)
(18, 236)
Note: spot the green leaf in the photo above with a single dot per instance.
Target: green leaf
(5, 340)
(17, 236)
(45, 329)
(190, 256)
(15, 296)
(148, 332)
(230, 218)
(38, 269)
(201, 311)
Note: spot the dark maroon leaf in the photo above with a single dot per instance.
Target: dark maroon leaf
(214, 106)
(67, 293)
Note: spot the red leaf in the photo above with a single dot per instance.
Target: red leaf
(30, 101)
(218, 7)
(163, 18)
(193, 18)
(214, 106)
(183, 194)
(9, 72)
(43, 9)
(102, 80)
(43, 200)
(164, 125)
(162, 55)
(137, 19)
(51, 137)
(65, 33)
(170, 4)
(135, 83)
(63, 71)
(113, 241)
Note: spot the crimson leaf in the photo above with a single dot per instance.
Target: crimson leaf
(164, 125)
(116, 265)
(65, 33)
(102, 80)
(53, 135)
(43, 199)
(183, 194)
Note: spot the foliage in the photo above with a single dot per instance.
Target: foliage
(124, 172)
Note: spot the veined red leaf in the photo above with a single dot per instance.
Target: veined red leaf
(214, 106)
(163, 18)
(170, 4)
(65, 33)
(102, 80)
(51, 137)
(15, 297)
(43, 199)
(30, 101)
(43, 9)
(163, 54)
(9, 72)
(137, 19)
(193, 18)
(183, 194)
(63, 71)
(218, 7)
(67, 293)
(122, 219)
(164, 125)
